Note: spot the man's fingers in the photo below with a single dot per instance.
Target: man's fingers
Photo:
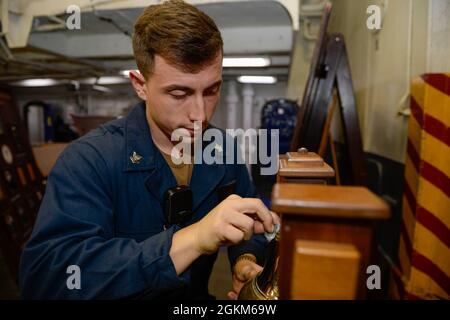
(251, 274)
(233, 234)
(248, 271)
(247, 275)
(258, 227)
(257, 268)
(275, 217)
(256, 206)
(232, 295)
(244, 223)
(233, 197)
(244, 272)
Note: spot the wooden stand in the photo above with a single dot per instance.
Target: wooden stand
(337, 224)
(304, 167)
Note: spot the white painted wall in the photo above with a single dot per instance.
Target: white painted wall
(439, 36)
(414, 39)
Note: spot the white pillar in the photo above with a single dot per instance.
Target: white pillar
(232, 101)
(247, 104)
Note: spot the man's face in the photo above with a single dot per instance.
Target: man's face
(176, 99)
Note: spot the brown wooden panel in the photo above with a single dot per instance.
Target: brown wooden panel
(302, 180)
(324, 270)
(331, 201)
(323, 229)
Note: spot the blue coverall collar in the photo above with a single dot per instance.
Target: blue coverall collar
(138, 141)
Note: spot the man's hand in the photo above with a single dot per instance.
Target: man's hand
(233, 220)
(244, 270)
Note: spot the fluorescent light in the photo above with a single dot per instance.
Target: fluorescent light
(111, 80)
(246, 62)
(126, 73)
(257, 79)
(37, 82)
(101, 88)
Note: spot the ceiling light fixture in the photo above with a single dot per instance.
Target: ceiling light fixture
(245, 62)
(258, 79)
(125, 73)
(44, 82)
(111, 80)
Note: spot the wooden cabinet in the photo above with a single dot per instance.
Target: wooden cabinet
(325, 227)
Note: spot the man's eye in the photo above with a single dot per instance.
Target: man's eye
(212, 92)
(178, 96)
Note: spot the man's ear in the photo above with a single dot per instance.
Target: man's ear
(138, 82)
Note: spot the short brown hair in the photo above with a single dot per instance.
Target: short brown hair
(179, 32)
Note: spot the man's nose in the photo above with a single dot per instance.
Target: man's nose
(198, 110)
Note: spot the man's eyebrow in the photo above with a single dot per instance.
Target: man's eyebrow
(173, 87)
(178, 87)
(215, 84)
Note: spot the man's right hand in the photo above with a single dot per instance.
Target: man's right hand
(231, 221)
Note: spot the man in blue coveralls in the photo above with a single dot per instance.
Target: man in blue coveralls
(102, 212)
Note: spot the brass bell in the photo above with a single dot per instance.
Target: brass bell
(265, 285)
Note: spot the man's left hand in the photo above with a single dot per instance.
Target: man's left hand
(244, 270)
